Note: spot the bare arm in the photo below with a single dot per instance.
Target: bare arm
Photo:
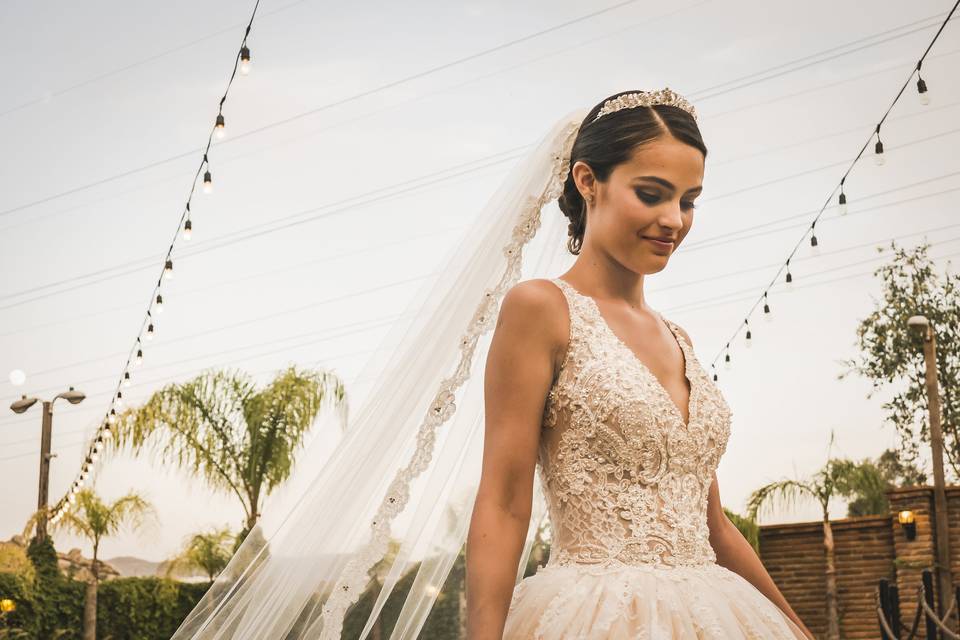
(735, 553)
(518, 375)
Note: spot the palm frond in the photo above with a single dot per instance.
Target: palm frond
(779, 494)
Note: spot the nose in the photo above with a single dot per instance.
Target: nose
(672, 217)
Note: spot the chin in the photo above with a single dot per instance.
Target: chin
(656, 264)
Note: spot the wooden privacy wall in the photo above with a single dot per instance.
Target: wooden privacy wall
(867, 549)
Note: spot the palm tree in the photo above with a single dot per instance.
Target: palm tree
(93, 519)
(837, 478)
(208, 551)
(220, 427)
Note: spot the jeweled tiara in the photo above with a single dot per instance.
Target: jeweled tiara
(646, 99)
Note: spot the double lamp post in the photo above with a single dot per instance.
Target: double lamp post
(21, 405)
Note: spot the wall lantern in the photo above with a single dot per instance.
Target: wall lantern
(909, 525)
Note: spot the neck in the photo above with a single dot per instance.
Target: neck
(601, 277)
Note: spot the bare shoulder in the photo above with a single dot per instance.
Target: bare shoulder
(537, 308)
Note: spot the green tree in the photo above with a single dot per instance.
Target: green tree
(91, 518)
(891, 353)
(747, 526)
(837, 478)
(208, 551)
(219, 427)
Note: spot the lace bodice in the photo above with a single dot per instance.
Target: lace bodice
(626, 480)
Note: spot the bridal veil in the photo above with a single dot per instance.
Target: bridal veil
(408, 464)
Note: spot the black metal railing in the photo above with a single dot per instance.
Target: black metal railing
(888, 612)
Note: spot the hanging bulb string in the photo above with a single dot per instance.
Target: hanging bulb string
(104, 430)
(842, 200)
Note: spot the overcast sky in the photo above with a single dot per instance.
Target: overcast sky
(106, 107)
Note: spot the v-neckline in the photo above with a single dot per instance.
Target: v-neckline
(687, 371)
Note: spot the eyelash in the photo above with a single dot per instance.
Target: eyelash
(653, 199)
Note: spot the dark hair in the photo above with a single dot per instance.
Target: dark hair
(610, 141)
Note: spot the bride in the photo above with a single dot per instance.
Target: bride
(585, 379)
(488, 378)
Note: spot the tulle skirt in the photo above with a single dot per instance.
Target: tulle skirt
(655, 602)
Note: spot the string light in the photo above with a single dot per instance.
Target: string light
(879, 159)
(922, 86)
(244, 60)
(104, 431)
(726, 358)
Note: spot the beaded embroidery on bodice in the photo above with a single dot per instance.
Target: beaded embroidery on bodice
(626, 480)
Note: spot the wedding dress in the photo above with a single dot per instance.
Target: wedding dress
(626, 483)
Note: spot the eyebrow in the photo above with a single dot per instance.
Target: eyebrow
(667, 183)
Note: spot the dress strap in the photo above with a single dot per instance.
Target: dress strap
(577, 305)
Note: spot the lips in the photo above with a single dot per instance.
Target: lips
(663, 240)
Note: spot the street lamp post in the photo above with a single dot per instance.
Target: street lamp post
(920, 323)
(21, 405)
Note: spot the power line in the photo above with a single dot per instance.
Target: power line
(246, 278)
(352, 203)
(719, 302)
(456, 62)
(139, 63)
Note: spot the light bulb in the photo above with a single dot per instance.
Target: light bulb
(159, 305)
(843, 203)
(922, 90)
(139, 359)
(168, 270)
(187, 230)
(244, 60)
(814, 246)
(220, 126)
(126, 379)
(150, 332)
(748, 341)
(207, 182)
(878, 156)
